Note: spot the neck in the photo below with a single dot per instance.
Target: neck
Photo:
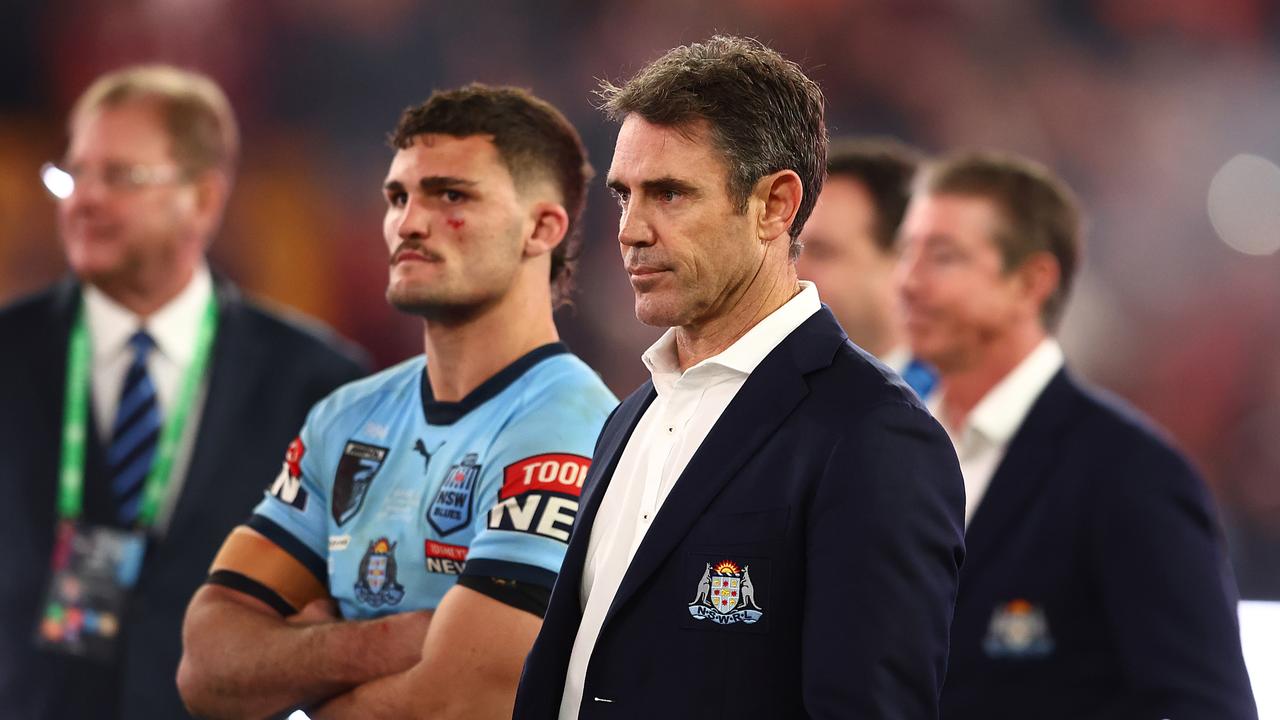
(760, 298)
(886, 338)
(144, 296)
(964, 387)
(464, 354)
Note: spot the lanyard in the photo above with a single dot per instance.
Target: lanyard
(75, 425)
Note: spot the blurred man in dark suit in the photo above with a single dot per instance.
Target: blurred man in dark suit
(142, 401)
(850, 247)
(1096, 583)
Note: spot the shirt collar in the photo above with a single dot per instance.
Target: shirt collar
(897, 359)
(1001, 411)
(172, 327)
(747, 352)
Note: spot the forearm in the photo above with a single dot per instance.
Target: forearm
(413, 694)
(240, 661)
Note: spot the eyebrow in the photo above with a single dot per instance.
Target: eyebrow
(431, 183)
(657, 185)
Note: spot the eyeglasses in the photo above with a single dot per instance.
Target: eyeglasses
(115, 177)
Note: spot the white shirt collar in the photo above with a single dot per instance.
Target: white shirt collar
(1001, 411)
(747, 352)
(172, 327)
(897, 358)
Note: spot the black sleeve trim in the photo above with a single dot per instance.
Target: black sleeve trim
(252, 588)
(530, 598)
(482, 567)
(292, 545)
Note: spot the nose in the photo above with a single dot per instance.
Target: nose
(415, 222)
(633, 229)
(906, 275)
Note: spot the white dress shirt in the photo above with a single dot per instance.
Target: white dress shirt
(672, 428)
(982, 442)
(897, 359)
(173, 328)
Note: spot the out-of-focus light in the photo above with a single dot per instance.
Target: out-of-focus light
(1244, 204)
(1260, 639)
(298, 715)
(57, 181)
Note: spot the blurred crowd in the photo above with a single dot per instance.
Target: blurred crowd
(1137, 104)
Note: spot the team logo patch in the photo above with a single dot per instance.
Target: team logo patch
(376, 580)
(1018, 629)
(287, 486)
(450, 510)
(446, 559)
(726, 595)
(356, 470)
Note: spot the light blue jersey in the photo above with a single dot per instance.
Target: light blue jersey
(388, 495)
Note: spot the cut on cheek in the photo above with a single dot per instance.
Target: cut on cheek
(456, 222)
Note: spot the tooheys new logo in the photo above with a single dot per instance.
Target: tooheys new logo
(540, 495)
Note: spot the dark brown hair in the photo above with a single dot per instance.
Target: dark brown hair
(1039, 211)
(534, 141)
(764, 114)
(195, 111)
(886, 168)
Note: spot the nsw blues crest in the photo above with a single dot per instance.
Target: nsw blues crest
(358, 467)
(376, 579)
(1018, 629)
(726, 595)
(450, 510)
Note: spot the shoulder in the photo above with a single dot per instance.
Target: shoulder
(857, 389)
(565, 382)
(292, 333)
(1115, 428)
(560, 402)
(391, 390)
(37, 309)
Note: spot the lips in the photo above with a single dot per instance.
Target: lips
(412, 256)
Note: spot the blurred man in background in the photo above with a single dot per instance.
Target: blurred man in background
(773, 524)
(140, 400)
(1096, 582)
(850, 247)
(433, 501)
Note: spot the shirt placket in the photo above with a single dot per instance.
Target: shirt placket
(662, 455)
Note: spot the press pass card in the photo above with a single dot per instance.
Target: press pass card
(94, 570)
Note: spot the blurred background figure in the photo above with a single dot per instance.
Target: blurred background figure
(144, 404)
(850, 249)
(1088, 538)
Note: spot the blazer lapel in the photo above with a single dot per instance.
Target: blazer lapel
(766, 399)
(1024, 471)
(228, 396)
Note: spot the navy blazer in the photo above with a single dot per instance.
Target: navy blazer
(828, 480)
(266, 373)
(1096, 583)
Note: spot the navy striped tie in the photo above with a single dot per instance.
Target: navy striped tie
(135, 432)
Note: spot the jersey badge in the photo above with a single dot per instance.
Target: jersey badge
(356, 470)
(450, 510)
(376, 580)
(445, 559)
(1018, 629)
(726, 595)
(287, 487)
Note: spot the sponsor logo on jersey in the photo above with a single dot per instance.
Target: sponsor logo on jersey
(356, 470)
(338, 543)
(552, 472)
(376, 579)
(726, 595)
(446, 559)
(287, 486)
(545, 514)
(450, 509)
(1018, 629)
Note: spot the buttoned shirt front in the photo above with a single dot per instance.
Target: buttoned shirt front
(984, 438)
(173, 328)
(687, 406)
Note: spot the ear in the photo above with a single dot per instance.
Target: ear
(777, 197)
(212, 191)
(550, 223)
(1038, 277)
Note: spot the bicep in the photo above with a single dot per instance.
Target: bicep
(253, 566)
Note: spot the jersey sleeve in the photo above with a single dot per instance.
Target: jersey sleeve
(292, 511)
(529, 489)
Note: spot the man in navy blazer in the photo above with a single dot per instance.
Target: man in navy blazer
(771, 527)
(144, 184)
(1096, 583)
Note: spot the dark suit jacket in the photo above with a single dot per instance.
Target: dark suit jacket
(1097, 553)
(266, 374)
(826, 478)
